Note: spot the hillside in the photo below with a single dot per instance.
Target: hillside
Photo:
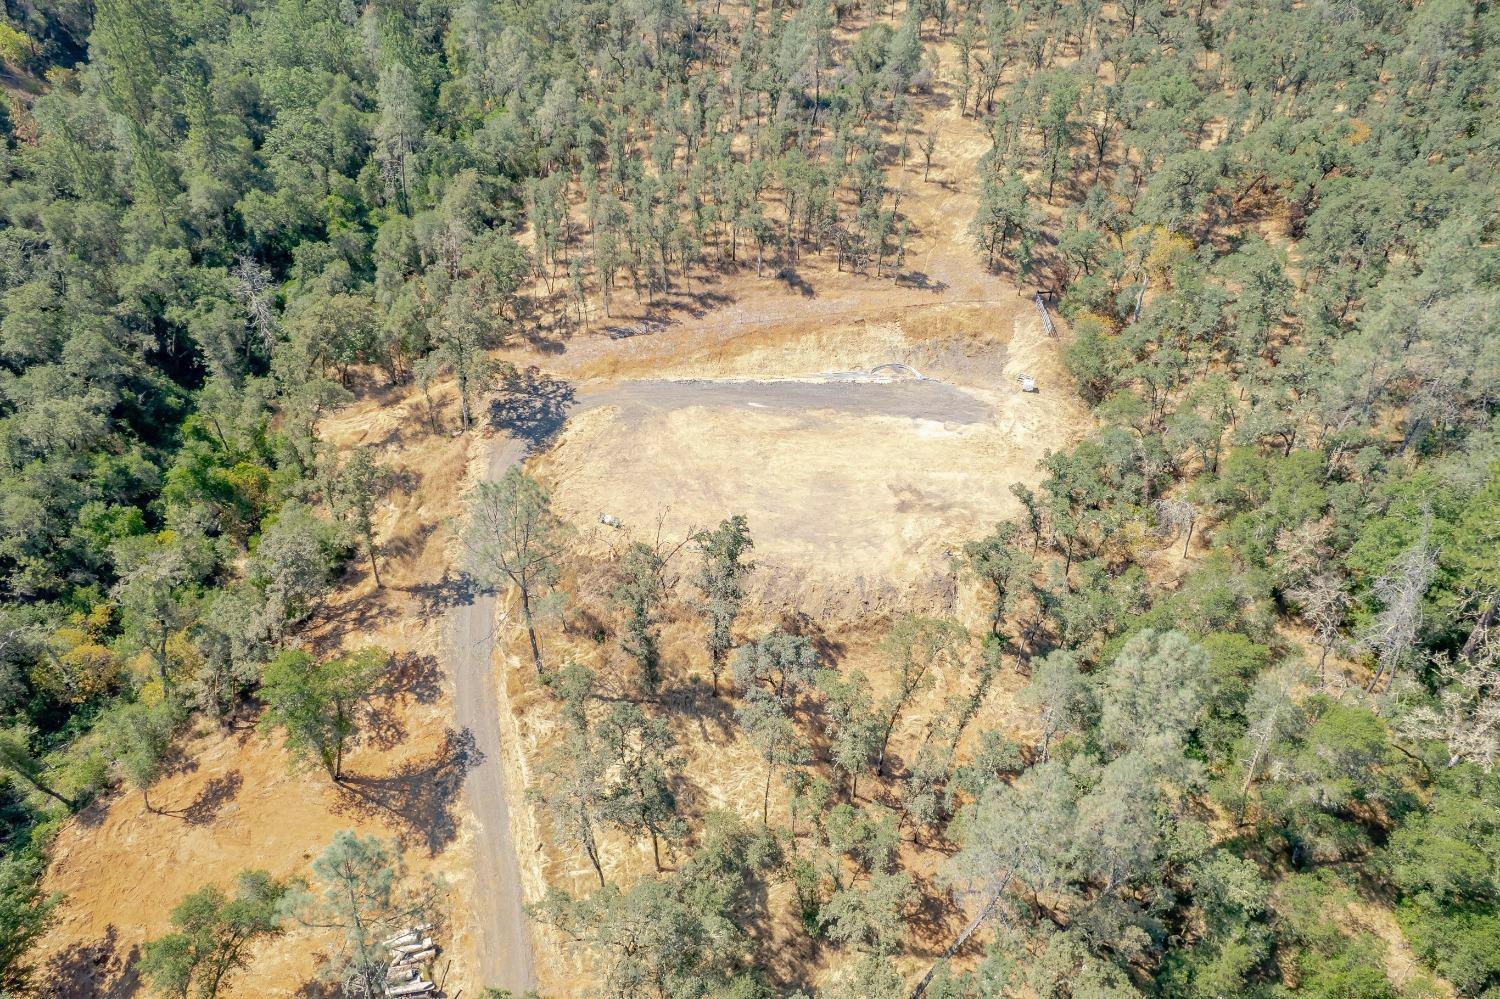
(558, 475)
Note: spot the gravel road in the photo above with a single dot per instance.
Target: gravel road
(505, 955)
(918, 400)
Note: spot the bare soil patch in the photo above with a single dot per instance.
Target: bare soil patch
(858, 495)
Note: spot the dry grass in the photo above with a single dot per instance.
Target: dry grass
(234, 802)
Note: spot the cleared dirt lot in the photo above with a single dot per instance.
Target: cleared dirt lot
(859, 496)
(857, 493)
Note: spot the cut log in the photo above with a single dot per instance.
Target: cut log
(414, 989)
(412, 948)
(417, 958)
(412, 932)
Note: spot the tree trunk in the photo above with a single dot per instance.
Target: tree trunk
(1481, 626)
(463, 401)
(161, 662)
(1260, 750)
(765, 799)
(1140, 297)
(374, 569)
(885, 740)
(963, 937)
(536, 652)
(49, 792)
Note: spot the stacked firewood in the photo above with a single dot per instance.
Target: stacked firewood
(412, 953)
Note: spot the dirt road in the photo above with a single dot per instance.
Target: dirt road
(915, 400)
(504, 941)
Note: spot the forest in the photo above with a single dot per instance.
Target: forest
(1270, 231)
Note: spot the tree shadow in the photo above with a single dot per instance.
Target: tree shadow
(415, 676)
(380, 726)
(699, 705)
(796, 282)
(402, 480)
(646, 327)
(314, 989)
(360, 616)
(587, 622)
(937, 96)
(922, 282)
(824, 644)
(450, 591)
(552, 346)
(179, 763)
(700, 303)
(418, 796)
(95, 970)
(410, 676)
(409, 544)
(91, 816)
(217, 793)
(932, 918)
(664, 312)
(531, 406)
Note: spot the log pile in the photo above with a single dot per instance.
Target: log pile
(412, 953)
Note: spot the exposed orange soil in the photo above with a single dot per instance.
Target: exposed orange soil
(234, 803)
(237, 806)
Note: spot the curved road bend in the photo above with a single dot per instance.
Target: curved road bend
(526, 421)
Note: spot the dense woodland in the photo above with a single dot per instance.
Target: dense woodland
(1270, 227)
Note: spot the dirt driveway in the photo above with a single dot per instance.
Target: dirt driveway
(504, 941)
(914, 400)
